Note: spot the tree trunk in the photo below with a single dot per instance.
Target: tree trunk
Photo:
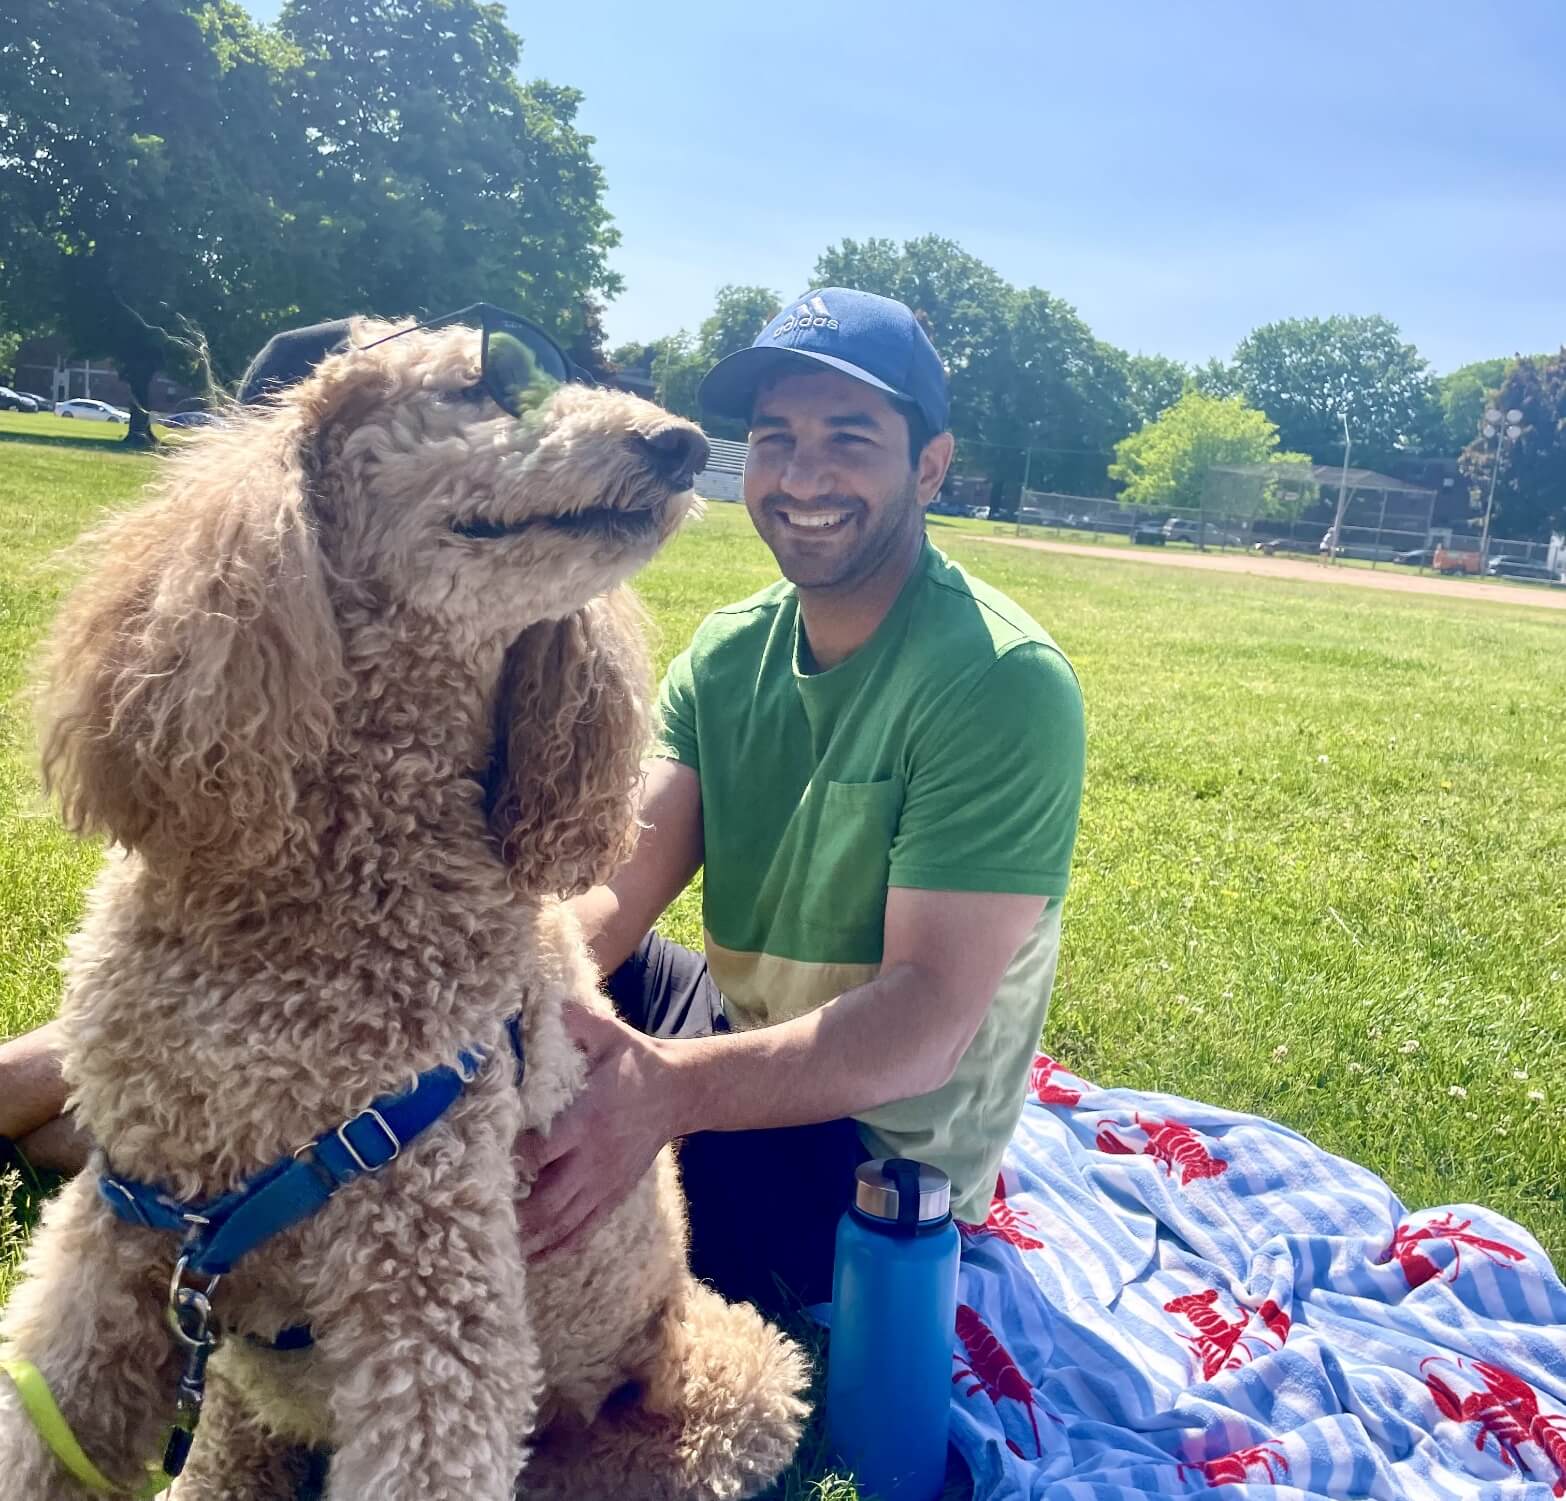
(138, 374)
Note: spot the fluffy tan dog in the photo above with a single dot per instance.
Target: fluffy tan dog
(360, 698)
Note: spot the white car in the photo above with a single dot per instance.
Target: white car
(92, 411)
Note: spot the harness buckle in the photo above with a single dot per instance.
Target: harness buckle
(374, 1115)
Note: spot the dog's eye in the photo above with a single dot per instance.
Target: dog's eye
(467, 393)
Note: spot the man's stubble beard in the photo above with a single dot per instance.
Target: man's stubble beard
(892, 526)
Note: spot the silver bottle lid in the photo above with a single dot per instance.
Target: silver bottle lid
(900, 1191)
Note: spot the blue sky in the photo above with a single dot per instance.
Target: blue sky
(1178, 173)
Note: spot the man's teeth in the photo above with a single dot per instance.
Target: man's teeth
(816, 519)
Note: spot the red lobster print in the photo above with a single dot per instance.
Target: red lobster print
(1005, 1223)
(1235, 1469)
(1420, 1269)
(1218, 1344)
(992, 1370)
(1507, 1410)
(1047, 1092)
(1171, 1143)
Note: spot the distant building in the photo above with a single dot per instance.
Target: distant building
(44, 366)
(724, 476)
(1452, 502)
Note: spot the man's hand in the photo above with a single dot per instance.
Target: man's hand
(601, 1146)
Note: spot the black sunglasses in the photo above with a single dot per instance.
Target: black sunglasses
(519, 363)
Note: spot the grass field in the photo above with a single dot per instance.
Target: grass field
(1322, 867)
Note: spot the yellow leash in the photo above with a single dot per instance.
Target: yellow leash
(39, 1404)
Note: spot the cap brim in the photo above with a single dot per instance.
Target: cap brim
(729, 388)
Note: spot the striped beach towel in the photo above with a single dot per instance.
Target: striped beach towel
(1169, 1299)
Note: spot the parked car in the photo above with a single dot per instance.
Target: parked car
(1517, 568)
(1145, 534)
(16, 401)
(978, 513)
(1415, 557)
(91, 411)
(45, 403)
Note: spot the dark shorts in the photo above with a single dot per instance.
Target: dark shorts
(764, 1205)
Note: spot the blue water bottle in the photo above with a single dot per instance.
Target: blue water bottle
(894, 1308)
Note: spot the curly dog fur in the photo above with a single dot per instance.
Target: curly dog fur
(360, 696)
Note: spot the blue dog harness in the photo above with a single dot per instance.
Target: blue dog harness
(221, 1231)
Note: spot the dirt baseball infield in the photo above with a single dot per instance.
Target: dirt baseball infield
(1300, 570)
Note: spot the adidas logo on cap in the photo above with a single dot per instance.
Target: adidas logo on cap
(812, 314)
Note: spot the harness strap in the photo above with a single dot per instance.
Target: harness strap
(219, 1232)
(39, 1404)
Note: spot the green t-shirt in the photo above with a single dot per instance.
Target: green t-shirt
(945, 754)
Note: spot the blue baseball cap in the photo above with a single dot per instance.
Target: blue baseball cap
(873, 339)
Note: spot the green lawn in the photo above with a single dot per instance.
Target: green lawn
(1322, 868)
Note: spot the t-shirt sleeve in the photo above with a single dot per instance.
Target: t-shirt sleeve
(675, 739)
(995, 788)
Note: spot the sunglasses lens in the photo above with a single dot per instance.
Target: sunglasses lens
(520, 367)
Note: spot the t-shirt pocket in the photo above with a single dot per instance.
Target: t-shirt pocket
(845, 889)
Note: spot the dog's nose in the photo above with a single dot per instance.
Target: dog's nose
(677, 452)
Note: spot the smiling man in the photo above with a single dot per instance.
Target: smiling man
(877, 763)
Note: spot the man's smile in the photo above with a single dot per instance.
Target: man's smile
(819, 522)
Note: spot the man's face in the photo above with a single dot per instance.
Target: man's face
(829, 483)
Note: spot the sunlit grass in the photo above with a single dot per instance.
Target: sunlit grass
(1322, 868)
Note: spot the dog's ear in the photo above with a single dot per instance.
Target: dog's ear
(196, 667)
(574, 709)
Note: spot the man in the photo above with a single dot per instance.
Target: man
(878, 764)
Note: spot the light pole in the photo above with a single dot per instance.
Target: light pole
(1493, 429)
(1337, 521)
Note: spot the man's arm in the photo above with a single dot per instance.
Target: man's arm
(32, 1101)
(617, 916)
(897, 1037)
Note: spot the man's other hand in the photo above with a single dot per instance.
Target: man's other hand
(602, 1144)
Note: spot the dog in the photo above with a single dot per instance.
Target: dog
(360, 696)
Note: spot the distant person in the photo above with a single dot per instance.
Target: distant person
(877, 763)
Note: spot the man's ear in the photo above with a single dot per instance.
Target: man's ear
(933, 464)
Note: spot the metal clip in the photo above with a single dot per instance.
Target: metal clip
(190, 1317)
(190, 1308)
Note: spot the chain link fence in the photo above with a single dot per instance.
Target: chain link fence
(1352, 515)
(1442, 550)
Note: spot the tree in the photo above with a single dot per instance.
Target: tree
(1466, 392)
(1154, 384)
(588, 346)
(677, 369)
(1057, 391)
(1530, 491)
(1307, 373)
(137, 198)
(1166, 463)
(176, 175)
(10, 342)
(741, 313)
(1215, 379)
(427, 176)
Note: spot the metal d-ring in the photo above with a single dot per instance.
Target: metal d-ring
(196, 1302)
